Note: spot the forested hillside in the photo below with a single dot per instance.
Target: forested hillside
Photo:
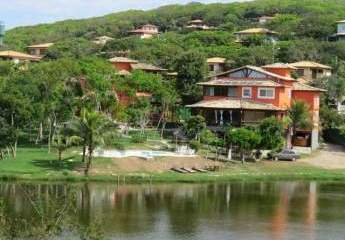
(304, 25)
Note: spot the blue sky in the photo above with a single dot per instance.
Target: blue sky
(29, 12)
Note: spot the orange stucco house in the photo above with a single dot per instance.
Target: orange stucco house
(146, 31)
(124, 66)
(247, 95)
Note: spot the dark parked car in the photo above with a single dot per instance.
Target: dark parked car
(286, 154)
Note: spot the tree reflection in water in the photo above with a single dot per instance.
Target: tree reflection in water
(96, 211)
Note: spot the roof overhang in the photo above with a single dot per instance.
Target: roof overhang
(232, 104)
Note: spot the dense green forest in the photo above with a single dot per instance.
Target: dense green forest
(303, 27)
(75, 74)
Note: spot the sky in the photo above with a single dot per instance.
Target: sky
(30, 12)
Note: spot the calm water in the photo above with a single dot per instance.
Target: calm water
(279, 210)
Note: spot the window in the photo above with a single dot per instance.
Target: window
(267, 93)
(211, 67)
(209, 91)
(300, 72)
(247, 92)
(232, 92)
(220, 91)
(314, 73)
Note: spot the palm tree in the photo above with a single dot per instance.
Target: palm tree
(299, 117)
(92, 127)
(80, 129)
(63, 140)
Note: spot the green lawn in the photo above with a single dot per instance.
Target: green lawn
(37, 164)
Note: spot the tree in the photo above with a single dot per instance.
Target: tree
(271, 131)
(183, 114)
(245, 139)
(209, 138)
(330, 118)
(6, 137)
(71, 48)
(191, 68)
(336, 87)
(139, 113)
(194, 126)
(299, 117)
(94, 126)
(64, 139)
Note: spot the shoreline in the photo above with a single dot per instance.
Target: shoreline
(144, 178)
(35, 165)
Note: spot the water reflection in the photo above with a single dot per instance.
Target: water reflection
(280, 210)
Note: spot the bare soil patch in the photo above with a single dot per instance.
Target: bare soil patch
(329, 157)
(156, 165)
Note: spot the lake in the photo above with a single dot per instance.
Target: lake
(250, 211)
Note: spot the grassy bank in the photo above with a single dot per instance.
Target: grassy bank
(36, 164)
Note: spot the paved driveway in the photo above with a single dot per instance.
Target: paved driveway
(330, 157)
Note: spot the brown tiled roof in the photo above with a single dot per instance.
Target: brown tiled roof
(216, 60)
(146, 67)
(149, 25)
(309, 64)
(18, 55)
(41, 45)
(237, 82)
(230, 103)
(143, 94)
(266, 17)
(256, 31)
(196, 21)
(280, 65)
(104, 38)
(297, 86)
(122, 60)
(143, 30)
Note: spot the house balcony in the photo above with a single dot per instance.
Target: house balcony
(236, 112)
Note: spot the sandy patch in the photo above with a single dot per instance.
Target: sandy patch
(329, 157)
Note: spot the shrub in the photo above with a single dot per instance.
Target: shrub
(195, 145)
(138, 138)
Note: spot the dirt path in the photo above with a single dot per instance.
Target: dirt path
(330, 157)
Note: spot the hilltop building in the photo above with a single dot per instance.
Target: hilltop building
(18, 57)
(146, 31)
(216, 65)
(102, 40)
(340, 35)
(269, 35)
(125, 66)
(247, 95)
(39, 50)
(308, 71)
(122, 63)
(265, 19)
(198, 24)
